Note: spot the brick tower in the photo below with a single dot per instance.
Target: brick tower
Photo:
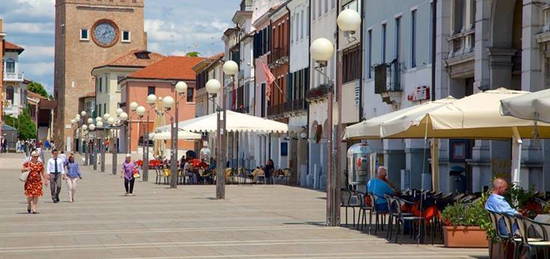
(89, 33)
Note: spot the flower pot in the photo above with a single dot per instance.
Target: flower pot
(465, 237)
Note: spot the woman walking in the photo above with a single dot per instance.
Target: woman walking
(33, 184)
(129, 168)
(73, 175)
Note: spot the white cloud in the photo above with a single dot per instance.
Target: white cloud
(29, 27)
(34, 8)
(38, 68)
(32, 51)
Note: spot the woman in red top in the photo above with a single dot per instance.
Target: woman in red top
(33, 185)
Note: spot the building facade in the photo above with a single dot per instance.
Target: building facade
(15, 89)
(88, 34)
(158, 79)
(107, 77)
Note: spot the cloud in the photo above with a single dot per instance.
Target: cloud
(30, 28)
(174, 27)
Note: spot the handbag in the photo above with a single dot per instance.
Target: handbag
(136, 174)
(23, 176)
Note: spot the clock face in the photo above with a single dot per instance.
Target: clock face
(105, 33)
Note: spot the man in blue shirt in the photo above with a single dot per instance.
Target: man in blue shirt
(380, 186)
(497, 203)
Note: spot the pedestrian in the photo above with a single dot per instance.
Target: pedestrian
(56, 172)
(269, 168)
(63, 157)
(33, 184)
(47, 145)
(129, 169)
(73, 175)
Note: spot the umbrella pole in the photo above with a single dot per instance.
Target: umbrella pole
(434, 149)
(516, 156)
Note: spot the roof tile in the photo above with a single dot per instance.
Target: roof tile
(171, 67)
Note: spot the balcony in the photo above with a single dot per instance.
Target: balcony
(275, 110)
(460, 60)
(278, 56)
(318, 93)
(295, 106)
(13, 77)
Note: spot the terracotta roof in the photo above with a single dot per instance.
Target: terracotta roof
(207, 62)
(35, 95)
(134, 58)
(172, 67)
(12, 47)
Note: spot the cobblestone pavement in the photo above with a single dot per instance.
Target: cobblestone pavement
(255, 221)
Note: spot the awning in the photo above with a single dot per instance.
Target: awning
(236, 122)
(182, 135)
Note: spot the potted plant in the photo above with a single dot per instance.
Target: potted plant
(466, 225)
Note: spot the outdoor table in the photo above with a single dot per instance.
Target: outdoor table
(543, 218)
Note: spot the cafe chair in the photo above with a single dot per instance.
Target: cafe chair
(525, 226)
(349, 199)
(364, 207)
(403, 217)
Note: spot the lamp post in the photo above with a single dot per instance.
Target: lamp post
(180, 90)
(213, 86)
(133, 108)
(322, 50)
(140, 110)
(116, 125)
(92, 128)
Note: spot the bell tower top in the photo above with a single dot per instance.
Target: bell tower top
(126, 3)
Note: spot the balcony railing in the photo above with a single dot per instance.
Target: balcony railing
(295, 105)
(275, 109)
(13, 76)
(278, 56)
(462, 43)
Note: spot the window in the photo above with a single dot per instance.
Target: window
(10, 93)
(313, 9)
(118, 79)
(397, 37)
(302, 24)
(101, 84)
(326, 5)
(351, 61)
(383, 43)
(413, 38)
(104, 108)
(320, 8)
(369, 53)
(126, 36)
(431, 30)
(190, 94)
(150, 90)
(99, 110)
(10, 66)
(84, 34)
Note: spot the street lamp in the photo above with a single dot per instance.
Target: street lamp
(83, 113)
(180, 90)
(116, 124)
(213, 87)
(322, 50)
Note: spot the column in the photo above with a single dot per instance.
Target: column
(394, 160)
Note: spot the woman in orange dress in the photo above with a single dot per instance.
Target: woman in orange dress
(33, 185)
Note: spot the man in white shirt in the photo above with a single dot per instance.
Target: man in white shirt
(56, 171)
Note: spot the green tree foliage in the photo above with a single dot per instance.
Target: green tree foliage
(36, 87)
(192, 54)
(26, 129)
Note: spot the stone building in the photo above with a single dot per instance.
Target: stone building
(89, 33)
(15, 87)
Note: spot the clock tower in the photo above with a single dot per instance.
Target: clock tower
(89, 33)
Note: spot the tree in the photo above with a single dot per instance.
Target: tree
(192, 54)
(26, 129)
(36, 87)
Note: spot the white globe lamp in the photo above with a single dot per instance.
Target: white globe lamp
(213, 86)
(151, 99)
(133, 106)
(349, 20)
(140, 110)
(181, 87)
(230, 67)
(168, 101)
(321, 49)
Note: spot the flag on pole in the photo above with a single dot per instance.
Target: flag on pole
(269, 78)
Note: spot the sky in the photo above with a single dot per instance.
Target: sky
(174, 27)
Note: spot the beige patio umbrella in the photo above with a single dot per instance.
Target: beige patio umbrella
(533, 106)
(476, 116)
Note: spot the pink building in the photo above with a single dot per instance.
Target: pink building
(159, 79)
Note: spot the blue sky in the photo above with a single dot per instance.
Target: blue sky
(174, 27)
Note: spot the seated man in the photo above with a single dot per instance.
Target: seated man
(497, 203)
(380, 186)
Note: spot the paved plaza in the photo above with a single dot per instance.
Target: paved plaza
(255, 221)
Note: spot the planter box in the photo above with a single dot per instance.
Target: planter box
(465, 237)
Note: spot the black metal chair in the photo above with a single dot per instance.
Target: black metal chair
(349, 199)
(402, 218)
(525, 227)
(363, 208)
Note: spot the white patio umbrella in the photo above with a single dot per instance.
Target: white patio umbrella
(533, 106)
(236, 122)
(476, 116)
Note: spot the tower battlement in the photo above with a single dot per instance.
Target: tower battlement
(126, 3)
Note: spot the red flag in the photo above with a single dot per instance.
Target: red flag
(269, 78)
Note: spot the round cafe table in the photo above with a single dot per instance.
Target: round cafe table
(543, 218)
